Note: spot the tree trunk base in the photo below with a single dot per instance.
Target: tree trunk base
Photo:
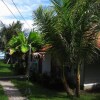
(68, 89)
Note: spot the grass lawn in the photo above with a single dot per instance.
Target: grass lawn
(2, 94)
(5, 69)
(40, 93)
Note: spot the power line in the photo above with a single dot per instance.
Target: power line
(2, 23)
(9, 9)
(20, 13)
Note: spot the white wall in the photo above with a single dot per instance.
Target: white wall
(46, 64)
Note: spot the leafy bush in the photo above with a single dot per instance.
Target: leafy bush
(19, 69)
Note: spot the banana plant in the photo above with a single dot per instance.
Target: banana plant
(24, 45)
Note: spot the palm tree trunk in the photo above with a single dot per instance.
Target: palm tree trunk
(66, 86)
(77, 92)
(29, 63)
(11, 61)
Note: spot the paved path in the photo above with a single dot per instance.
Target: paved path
(13, 77)
(12, 92)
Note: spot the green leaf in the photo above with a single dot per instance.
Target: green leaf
(33, 49)
(33, 36)
(24, 48)
(22, 37)
(12, 50)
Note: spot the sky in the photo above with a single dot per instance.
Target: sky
(26, 7)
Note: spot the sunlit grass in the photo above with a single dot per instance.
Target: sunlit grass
(5, 69)
(2, 94)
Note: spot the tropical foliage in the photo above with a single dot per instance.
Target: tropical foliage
(7, 32)
(20, 46)
(21, 43)
(70, 27)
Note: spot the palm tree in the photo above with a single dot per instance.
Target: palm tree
(70, 27)
(49, 24)
(7, 32)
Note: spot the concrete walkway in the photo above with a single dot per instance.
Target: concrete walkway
(14, 77)
(12, 92)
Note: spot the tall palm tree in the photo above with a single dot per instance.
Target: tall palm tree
(51, 28)
(70, 27)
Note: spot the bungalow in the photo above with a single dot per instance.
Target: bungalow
(90, 73)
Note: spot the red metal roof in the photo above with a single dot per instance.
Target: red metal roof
(45, 48)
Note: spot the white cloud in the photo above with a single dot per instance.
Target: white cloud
(25, 26)
(4, 10)
(30, 22)
(26, 8)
